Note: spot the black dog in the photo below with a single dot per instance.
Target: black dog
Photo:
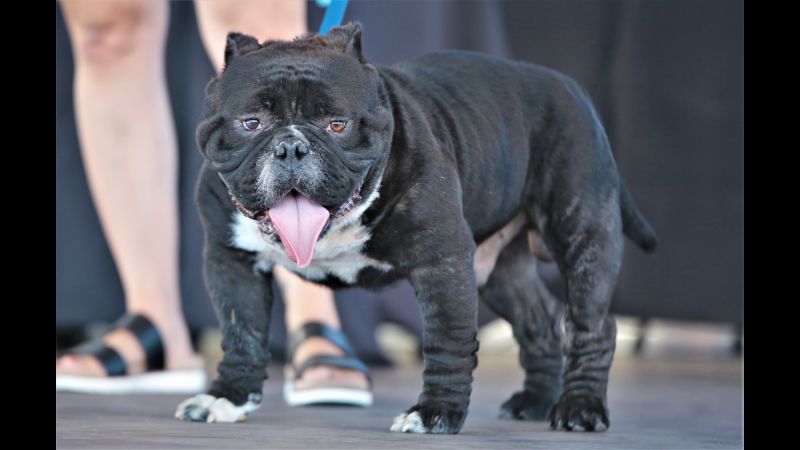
(454, 170)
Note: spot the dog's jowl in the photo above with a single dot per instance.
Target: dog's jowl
(432, 170)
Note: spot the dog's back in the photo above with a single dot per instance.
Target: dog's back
(501, 121)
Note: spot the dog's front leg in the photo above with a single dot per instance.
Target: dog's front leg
(448, 301)
(242, 298)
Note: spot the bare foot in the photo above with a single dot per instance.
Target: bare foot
(313, 376)
(178, 351)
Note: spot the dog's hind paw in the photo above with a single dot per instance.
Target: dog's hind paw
(525, 405)
(583, 413)
(207, 408)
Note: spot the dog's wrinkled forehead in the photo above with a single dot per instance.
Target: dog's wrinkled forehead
(288, 77)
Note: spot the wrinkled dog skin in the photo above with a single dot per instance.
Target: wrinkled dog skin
(454, 170)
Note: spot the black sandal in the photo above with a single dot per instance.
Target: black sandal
(117, 381)
(324, 392)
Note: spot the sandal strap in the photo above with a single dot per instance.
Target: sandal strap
(110, 359)
(148, 336)
(341, 362)
(318, 329)
(113, 363)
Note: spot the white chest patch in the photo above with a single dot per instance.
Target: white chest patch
(338, 253)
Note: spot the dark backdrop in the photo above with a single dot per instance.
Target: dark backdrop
(668, 80)
(666, 76)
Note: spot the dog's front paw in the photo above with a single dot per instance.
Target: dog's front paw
(207, 408)
(430, 418)
(579, 413)
(526, 405)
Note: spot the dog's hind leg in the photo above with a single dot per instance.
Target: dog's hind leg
(574, 199)
(585, 238)
(516, 293)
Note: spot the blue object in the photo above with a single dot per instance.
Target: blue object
(333, 15)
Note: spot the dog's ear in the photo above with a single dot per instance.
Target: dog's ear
(347, 39)
(239, 44)
(208, 130)
(211, 116)
(212, 100)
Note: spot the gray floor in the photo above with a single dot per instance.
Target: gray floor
(654, 403)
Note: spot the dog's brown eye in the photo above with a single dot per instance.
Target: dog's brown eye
(251, 124)
(337, 126)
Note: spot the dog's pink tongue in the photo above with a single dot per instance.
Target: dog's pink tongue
(299, 221)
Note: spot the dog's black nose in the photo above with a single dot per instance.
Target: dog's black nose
(294, 149)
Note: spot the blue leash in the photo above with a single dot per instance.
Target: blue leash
(333, 15)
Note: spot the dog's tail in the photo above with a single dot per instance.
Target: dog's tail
(634, 225)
